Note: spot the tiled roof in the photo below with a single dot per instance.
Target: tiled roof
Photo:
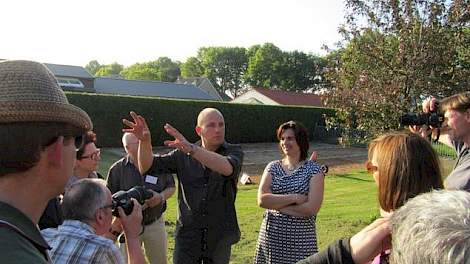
(149, 88)
(291, 98)
(68, 71)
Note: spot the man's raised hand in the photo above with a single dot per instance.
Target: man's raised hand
(179, 142)
(138, 127)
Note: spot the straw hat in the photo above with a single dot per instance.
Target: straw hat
(29, 92)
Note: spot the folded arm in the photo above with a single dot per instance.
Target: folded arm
(314, 201)
(268, 200)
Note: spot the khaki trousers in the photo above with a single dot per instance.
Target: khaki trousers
(155, 242)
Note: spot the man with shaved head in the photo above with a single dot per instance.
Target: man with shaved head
(207, 174)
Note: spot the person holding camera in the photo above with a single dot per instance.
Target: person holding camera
(87, 208)
(207, 174)
(124, 175)
(455, 132)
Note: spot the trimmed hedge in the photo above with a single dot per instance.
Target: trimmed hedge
(244, 123)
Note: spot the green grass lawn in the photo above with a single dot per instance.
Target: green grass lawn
(350, 203)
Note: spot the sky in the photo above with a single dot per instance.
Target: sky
(75, 32)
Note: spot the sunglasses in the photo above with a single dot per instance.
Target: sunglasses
(94, 156)
(78, 141)
(290, 124)
(370, 167)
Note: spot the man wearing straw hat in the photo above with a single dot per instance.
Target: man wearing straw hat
(39, 134)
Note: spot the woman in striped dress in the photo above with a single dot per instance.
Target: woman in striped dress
(291, 189)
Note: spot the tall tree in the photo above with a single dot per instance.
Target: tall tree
(162, 69)
(192, 68)
(110, 70)
(225, 67)
(92, 67)
(396, 52)
(265, 66)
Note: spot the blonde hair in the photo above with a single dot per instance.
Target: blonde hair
(459, 102)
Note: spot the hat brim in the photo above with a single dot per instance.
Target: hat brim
(34, 111)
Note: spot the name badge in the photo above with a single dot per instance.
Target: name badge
(151, 179)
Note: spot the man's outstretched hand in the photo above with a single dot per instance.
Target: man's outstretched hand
(138, 126)
(179, 142)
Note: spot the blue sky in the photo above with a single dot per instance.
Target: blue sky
(75, 32)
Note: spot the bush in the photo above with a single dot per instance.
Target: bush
(244, 123)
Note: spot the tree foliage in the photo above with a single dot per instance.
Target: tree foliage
(110, 70)
(224, 67)
(396, 53)
(92, 67)
(162, 69)
(192, 68)
(290, 71)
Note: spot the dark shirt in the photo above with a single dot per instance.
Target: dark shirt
(459, 178)
(206, 199)
(338, 252)
(52, 216)
(123, 175)
(25, 245)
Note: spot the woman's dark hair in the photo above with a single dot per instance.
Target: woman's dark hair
(89, 137)
(301, 136)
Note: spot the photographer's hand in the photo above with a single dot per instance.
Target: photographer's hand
(132, 225)
(155, 200)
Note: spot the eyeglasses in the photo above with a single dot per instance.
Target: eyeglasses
(94, 156)
(370, 167)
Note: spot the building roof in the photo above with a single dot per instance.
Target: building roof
(291, 98)
(68, 71)
(149, 88)
(202, 83)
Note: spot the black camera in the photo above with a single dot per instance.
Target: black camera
(123, 199)
(433, 118)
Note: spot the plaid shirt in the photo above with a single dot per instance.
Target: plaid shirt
(76, 242)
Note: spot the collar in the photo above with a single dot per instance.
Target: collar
(222, 147)
(15, 217)
(76, 224)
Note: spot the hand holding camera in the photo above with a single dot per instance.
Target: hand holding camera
(122, 200)
(131, 223)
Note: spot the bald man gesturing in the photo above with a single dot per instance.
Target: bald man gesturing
(207, 174)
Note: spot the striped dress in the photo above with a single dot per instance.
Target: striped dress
(285, 239)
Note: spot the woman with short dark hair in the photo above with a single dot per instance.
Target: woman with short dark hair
(291, 189)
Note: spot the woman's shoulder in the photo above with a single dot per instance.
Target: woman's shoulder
(312, 166)
(273, 164)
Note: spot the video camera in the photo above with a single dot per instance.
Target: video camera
(433, 118)
(123, 199)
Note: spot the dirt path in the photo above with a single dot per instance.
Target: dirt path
(338, 159)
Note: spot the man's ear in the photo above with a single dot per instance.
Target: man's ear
(198, 130)
(54, 152)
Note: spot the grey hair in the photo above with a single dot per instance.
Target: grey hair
(83, 198)
(432, 228)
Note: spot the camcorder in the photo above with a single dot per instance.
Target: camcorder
(434, 118)
(123, 199)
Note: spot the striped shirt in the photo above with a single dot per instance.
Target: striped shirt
(76, 242)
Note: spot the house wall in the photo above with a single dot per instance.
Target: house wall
(253, 96)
